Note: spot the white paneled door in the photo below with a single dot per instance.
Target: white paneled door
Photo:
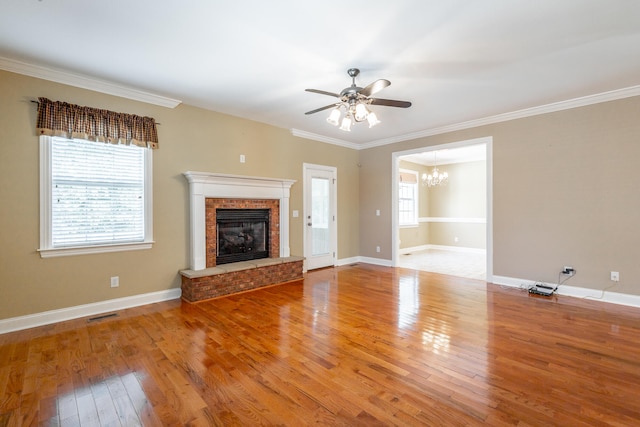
(320, 237)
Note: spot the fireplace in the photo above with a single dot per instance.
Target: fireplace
(243, 224)
(209, 192)
(242, 235)
(263, 229)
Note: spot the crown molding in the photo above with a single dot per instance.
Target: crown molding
(84, 82)
(519, 114)
(326, 139)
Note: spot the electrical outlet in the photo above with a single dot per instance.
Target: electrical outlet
(377, 248)
(115, 281)
(615, 276)
(242, 158)
(569, 271)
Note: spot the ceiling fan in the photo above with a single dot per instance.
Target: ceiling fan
(355, 101)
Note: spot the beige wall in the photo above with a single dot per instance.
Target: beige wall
(464, 196)
(565, 192)
(413, 237)
(468, 235)
(190, 139)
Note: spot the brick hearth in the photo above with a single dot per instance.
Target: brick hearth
(199, 285)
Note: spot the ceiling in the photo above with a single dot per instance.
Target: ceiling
(447, 156)
(456, 61)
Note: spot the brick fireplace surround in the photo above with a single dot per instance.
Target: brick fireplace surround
(208, 191)
(210, 223)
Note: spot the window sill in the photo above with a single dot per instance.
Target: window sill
(84, 250)
(409, 225)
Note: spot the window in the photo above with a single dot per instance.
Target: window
(94, 197)
(408, 198)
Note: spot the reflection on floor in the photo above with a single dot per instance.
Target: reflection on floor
(453, 263)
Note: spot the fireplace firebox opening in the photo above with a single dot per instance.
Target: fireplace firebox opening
(242, 235)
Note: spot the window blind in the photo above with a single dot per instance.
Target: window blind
(409, 177)
(97, 193)
(407, 203)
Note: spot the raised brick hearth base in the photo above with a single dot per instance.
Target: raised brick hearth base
(199, 285)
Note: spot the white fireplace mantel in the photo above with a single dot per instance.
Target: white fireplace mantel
(204, 185)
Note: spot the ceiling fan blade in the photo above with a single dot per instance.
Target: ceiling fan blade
(374, 87)
(326, 107)
(390, 102)
(323, 92)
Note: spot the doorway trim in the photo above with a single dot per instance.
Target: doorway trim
(395, 166)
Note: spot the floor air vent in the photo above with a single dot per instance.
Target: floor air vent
(104, 316)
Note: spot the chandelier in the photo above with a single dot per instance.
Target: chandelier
(435, 177)
(355, 110)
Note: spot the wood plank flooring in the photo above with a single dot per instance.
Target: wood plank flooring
(348, 346)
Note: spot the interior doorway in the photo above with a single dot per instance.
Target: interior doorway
(452, 232)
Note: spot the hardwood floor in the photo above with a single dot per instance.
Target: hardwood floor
(354, 345)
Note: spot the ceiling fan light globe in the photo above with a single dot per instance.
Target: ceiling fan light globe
(334, 117)
(346, 124)
(361, 112)
(372, 119)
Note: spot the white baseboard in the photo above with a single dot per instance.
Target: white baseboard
(367, 260)
(377, 261)
(458, 249)
(405, 251)
(54, 316)
(575, 291)
(347, 261)
(443, 248)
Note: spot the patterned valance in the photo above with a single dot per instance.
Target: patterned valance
(57, 118)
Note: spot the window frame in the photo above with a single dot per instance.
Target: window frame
(416, 198)
(47, 250)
